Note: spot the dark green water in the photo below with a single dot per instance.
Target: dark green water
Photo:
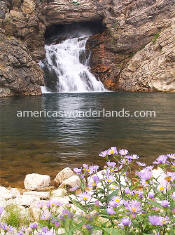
(46, 145)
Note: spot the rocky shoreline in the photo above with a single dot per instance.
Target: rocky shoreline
(38, 187)
(88, 200)
(38, 190)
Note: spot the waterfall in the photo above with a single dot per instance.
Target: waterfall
(66, 67)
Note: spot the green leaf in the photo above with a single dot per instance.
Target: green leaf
(78, 204)
(172, 232)
(156, 204)
(114, 193)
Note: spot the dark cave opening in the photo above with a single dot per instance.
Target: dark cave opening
(59, 51)
(59, 32)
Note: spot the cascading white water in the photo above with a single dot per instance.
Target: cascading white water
(71, 72)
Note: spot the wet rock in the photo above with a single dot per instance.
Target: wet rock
(63, 175)
(4, 92)
(103, 61)
(36, 181)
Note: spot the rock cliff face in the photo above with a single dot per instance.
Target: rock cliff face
(132, 54)
(21, 47)
(152, 68)
(135, 53)
(66, 11)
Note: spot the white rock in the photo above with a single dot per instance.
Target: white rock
(60, 192)
(26, 200)
(40, 195)
(63, 175)
(61, 231)
(62, 200)
(73, 181)
(101, 175)
(159, 174)
(36, 181)
(15, 192)
(35, 212)
(5, 194)
(3, 202)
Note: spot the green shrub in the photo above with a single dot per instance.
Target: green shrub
(14, 217)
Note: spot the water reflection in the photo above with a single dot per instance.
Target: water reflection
(46, 145)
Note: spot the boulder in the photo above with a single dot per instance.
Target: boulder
(63, 175)
(36, 181)
(5, 194)
(73, 181)
(15, 192)
(60, 192)
(35, 212)
(25, 200)
(61, 200)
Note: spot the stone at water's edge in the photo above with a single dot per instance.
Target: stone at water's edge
(36, 181)
(60, 192)
(5, 193)
(71, 182)
(31, 203)
(63, 175)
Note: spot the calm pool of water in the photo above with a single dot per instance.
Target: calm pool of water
(46, 145)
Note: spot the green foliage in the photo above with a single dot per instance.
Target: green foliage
(14, 218)
(155, 37)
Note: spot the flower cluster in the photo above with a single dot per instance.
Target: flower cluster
(142, 201)
(125, 197)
